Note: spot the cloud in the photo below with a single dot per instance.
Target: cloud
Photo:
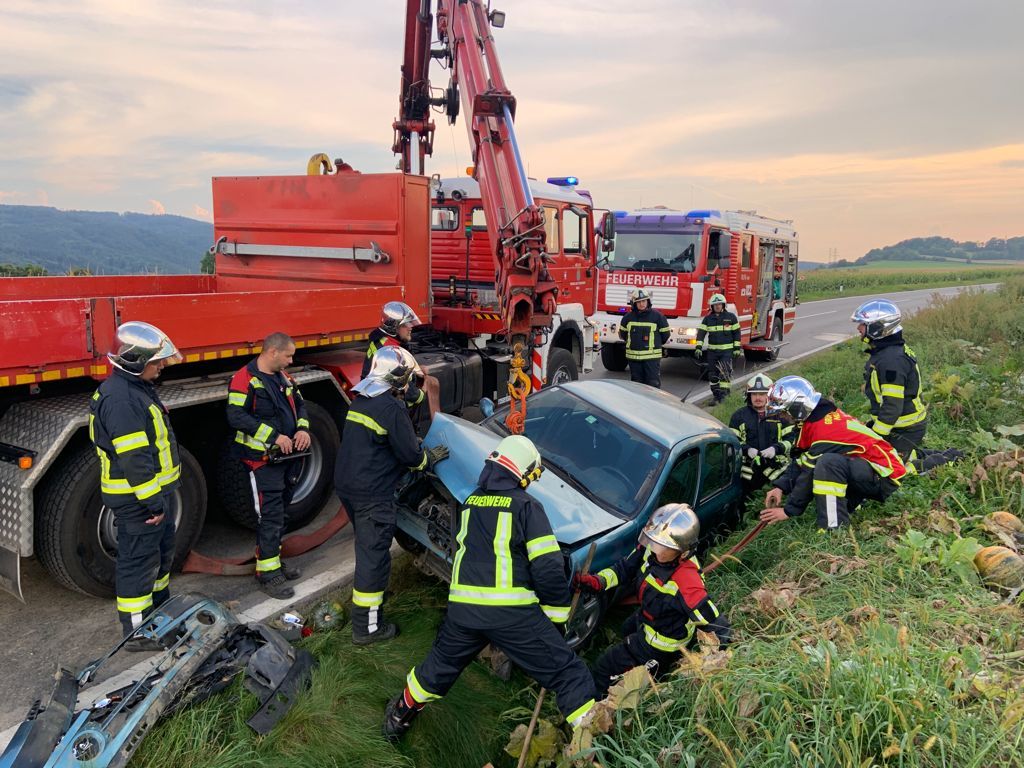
(199, 212)
(157, 208)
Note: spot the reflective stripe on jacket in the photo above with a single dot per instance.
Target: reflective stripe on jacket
(138, 453)
(645, 333)
(262, 406)
(722, 330)
(892, 384)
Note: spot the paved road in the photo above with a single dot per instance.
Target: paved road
(58, 627)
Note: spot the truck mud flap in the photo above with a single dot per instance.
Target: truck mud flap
(10, 572)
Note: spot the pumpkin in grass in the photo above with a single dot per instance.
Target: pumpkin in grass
(1000, 567)
(1006, 520)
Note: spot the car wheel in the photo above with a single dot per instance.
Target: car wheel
(613, 357)
(589, 613)
(315, 482)
(561, 367)
(76, 538)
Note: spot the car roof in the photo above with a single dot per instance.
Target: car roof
(653, 412)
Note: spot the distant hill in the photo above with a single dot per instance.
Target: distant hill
(946, 249)
(102, 243)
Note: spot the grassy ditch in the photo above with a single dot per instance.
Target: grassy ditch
(875, 645)
(860, 281)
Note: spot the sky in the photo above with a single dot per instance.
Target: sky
(864, 122)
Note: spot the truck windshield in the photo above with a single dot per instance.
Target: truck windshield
(602, 458)
(656, 252)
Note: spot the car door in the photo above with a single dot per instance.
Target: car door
(718, 488)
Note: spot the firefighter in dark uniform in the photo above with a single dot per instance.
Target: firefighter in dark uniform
(667, 581)
(722, 330)
(139, 471)
(645, 331)
(766, 441)
(378, 447)
(395, 330)
(839, 461)
(268, 414)
(892, 384)
(508, 588)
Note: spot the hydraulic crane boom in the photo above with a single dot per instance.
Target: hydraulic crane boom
(526, 292)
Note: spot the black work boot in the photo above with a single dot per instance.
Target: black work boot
(276, 585)
(385, 631)
(398, 717)
(291, 572)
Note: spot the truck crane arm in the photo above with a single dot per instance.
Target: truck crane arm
(526, 291)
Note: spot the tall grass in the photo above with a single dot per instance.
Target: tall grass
(858, 281)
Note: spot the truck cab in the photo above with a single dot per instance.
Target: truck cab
(683, 258)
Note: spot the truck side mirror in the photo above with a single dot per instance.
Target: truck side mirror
(724, 250)
(608, 227)
(608, 246)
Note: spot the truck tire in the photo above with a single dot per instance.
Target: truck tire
(561, 367)
(613, 357)
(75, 536)
(234, 489)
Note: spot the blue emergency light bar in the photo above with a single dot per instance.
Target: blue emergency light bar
(563, 181)
(705, 214)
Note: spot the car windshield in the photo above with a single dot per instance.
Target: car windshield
(604, 459)
(656, 252)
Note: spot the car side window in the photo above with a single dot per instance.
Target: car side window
(716, 475)
(681, 485)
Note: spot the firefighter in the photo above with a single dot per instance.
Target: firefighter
(395, 330)
(765, 440)
(722, 330)
(840, 462)
(378, 447)
(139, 470)
(508, 589)
(667, 581)
(645, 331)
(268, 414)
(892, 384)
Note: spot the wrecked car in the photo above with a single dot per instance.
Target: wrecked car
(613, 452)
(204, 648)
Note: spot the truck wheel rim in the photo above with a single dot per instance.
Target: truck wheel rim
(312, 466)
(106, 531)
(561, 376)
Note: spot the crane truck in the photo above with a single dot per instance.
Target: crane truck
(316, 256)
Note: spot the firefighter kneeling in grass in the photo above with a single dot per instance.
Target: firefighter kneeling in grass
(722, 330)
(645, 331)
(765, 440)
(670, 587)
(139, 470)
(840, 462)
(508, 589)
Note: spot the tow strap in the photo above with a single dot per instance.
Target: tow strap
(738, 547)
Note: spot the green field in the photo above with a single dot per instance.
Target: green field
(897, 276)
(872, 646)
(942, 264)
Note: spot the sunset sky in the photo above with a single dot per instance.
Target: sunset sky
(865, 122)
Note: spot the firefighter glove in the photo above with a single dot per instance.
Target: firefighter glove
(751, 453)
(587, 582)
(698, 352)
(769, 452)
(436, 454)
(737, 352)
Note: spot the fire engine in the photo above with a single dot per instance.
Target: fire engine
(315, 256)
(683, 258)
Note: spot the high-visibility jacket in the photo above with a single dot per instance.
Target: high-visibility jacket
(378, 340)
(673, 599)
(722, 330)
(508, 560)
(378, 446)
(262, 406)
(892, 383)
(830, 430)
(645, 333)
(132, 433)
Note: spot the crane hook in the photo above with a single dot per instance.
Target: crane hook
(519, 387)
